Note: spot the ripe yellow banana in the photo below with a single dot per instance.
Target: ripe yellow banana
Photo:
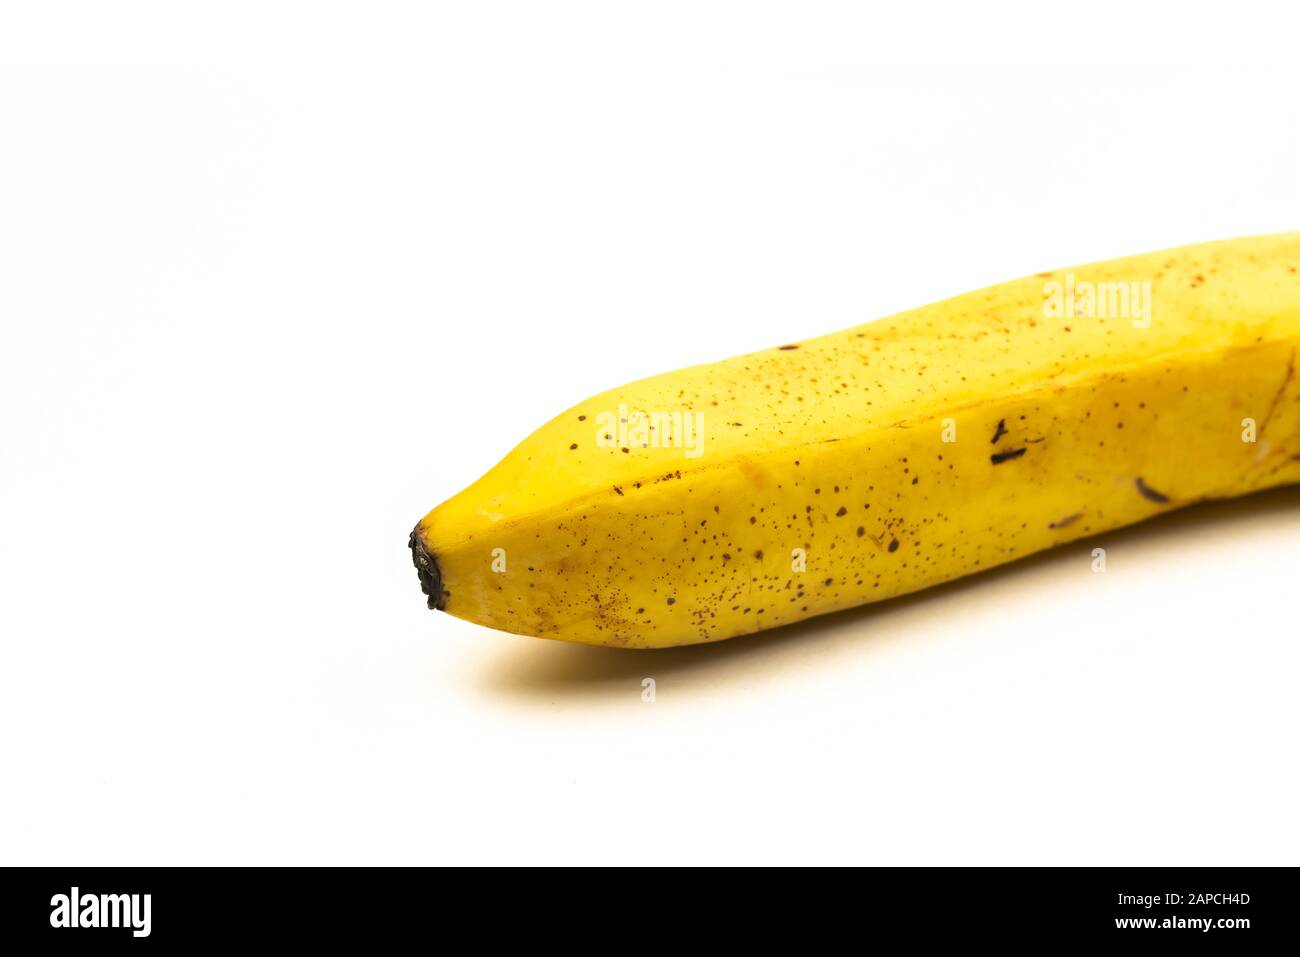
(725, 499)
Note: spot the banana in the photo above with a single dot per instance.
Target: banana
(725, 499)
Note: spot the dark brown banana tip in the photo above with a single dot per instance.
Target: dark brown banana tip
(430, 577)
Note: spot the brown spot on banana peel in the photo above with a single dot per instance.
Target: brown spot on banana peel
(427, 568)
(1149, 493)
(997, 458)
(1067, 521)
(752, 471)
(1001, 431)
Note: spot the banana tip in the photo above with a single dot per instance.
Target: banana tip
(427, 567)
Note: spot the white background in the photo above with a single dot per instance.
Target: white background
(276, 279)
